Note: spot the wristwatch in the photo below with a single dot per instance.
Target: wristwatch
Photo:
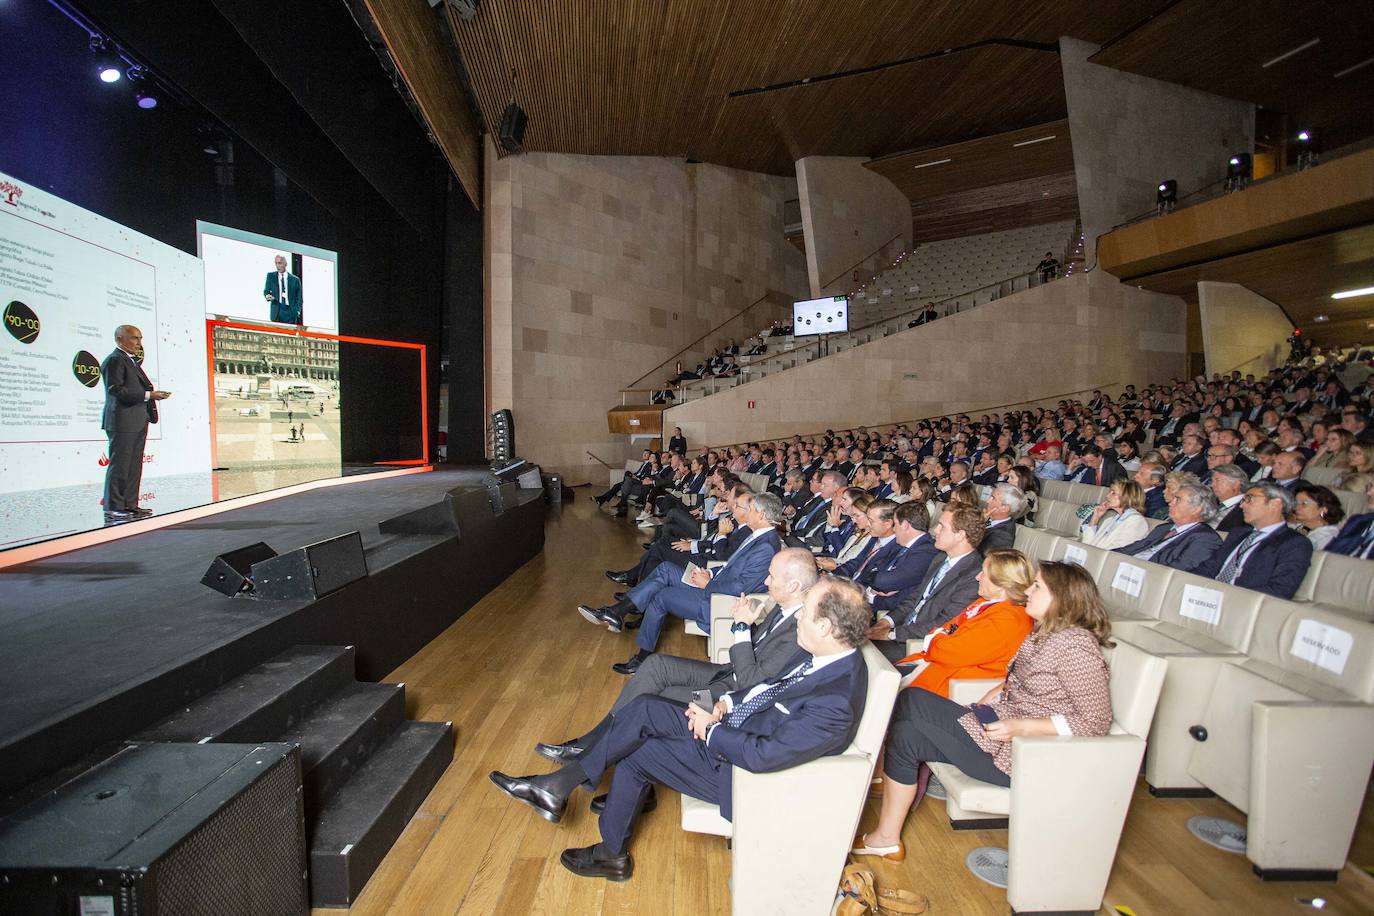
(739, 626)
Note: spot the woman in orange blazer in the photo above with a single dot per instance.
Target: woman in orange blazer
(981, 640)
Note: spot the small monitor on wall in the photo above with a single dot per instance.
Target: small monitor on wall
(820, 316)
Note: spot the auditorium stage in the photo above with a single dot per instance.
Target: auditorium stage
(102, 640)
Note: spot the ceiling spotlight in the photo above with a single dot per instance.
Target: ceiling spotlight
(1309, 147)
(146, 100)
(108, 65)
(1166, 195)
(1320, 318)
(1238, 171)
(1352, 293)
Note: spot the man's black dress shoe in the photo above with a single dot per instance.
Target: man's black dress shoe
(621, 577)
(602, 615)
(588, 864)
(118, 516)
(632, 624)
(545, 804)
(559, 753)
(650, 803)
(630, 666)
(141, 513)
(620, 596)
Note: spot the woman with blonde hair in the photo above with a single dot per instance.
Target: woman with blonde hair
(1360, 459)
(1119, 519)
(1334, 449)
(1056, 685)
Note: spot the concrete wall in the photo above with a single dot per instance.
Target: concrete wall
(599, 268)
(848, 214)
(1084, 332)
(1241, 329)
(1130, 132)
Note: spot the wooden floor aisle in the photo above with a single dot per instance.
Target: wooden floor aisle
(522, 666)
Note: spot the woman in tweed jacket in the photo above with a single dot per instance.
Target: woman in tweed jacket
(1056, 685)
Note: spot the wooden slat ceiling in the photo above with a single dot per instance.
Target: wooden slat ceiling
(653, 77)
(1300, 276)
(1221, 46)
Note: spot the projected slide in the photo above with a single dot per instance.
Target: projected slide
(261, 279)
(820, 316)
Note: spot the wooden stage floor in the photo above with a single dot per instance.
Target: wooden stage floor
(522, 666)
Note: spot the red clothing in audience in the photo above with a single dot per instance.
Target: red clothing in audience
(979, 642)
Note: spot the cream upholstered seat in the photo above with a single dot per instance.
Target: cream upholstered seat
(1058, 516)
(1092, 559)
(1289, 738)
(1132, 589)
(1055, 489)
(1342, 582)
(785, 858)
(722, 616)
(1068, 800)
(1036, 543)
(618, 474)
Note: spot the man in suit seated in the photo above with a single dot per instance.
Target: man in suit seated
(1188, 542)
(1263, 554)
(1191, 458)
(1228, 483)
(665, 593)
(811, 710)
(1287, 469)
(721, 539)
(1356, 538)
(757, 655)
(893, 580)
(1005, 503)
(950, 583)
(1150, 476)
(615, 489)
(809, 522)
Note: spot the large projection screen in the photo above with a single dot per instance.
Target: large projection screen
(820, 316)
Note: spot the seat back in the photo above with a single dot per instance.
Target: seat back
(1325, 477)
(1054, 489)
(757, 482)
(1317, 644)
(1339, 581)
(1223, 613)
(1080, 493)
(1058, 516)
(883, 681)
(1132, 588)
(1354, 503)
(1067, 550)
(1035, 543)
(1137, 677)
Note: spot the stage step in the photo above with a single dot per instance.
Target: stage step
(356, 827)
(263, 702)
(338, 737)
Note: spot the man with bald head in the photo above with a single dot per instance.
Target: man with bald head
(130, 405)
(282, 290)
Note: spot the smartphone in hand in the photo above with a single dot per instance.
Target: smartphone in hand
(701, 699)
(984, 714)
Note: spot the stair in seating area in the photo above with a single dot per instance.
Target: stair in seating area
(366, 769)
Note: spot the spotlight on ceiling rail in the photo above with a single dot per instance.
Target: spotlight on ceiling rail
(1166, 195)
(1239, 168)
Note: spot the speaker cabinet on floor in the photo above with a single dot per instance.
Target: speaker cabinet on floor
(437, 518)
(163, 830)
(229, 572)
(312, 571)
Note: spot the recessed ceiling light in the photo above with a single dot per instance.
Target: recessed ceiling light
(936, 162)
(1352, 293)
(1320, 318)
(1036, 140)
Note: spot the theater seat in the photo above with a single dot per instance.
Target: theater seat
(1058, 516)
(617, 475)
(792, 829)
(1068, 800)
(1132, 589)
(1340, 582)
(722, 616)
(1289, 739)
(1036, 543)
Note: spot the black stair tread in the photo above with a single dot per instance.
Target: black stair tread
(341, 716)
(218, 712)
(346, 817)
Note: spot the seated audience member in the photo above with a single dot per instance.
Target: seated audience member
(809, 524)
(964, 495)
(1229, 483)
(1191, 458)
(894, 579)
(1022, 478)
(1128, 455)
(1051, 468)
(1335, 450)
(1048, 268)
(1264, 454)
(1360, 460)
(1264, 554)
(1175, 479)
(682, 542)
(1287, 469)
(1317, 513)
(1005, 504)
(1357, 534)
(882, 543)
(641, 472)
(1056, 685)
(950, 583)
(1119, 519)
(1189, 542)
(860, 539)
(1099, 468)
(901, 487)
(980, 640)
(811, 710)
(665, 594)
(758, 653)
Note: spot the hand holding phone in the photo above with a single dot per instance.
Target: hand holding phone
(986, 715)
(701, 699)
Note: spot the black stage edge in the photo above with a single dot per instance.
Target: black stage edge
(105, 641)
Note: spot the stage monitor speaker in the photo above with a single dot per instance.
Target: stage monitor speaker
(553, 488)
(313, 571)
(229, 573)
(530, 478)
(163, 830)
(513, 122)
(438, 518)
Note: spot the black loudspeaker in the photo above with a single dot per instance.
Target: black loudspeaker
(313, 571)
(163, 830)
(229, 572)
(513, 122)
(553, 488)
(433, 519)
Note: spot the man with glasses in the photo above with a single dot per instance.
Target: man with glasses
(1264, 554)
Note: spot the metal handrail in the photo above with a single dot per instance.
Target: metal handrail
(861, 260)
(673, 359)
(600, 461)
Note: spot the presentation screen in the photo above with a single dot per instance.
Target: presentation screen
(266, 280)
(68, 277)
(820, 316)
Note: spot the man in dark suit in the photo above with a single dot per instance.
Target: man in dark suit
(811, 710)
(950, 583)
(641, 471)
(283, 289)
(1189, 542)
(1229, 483)
(1100, 469)
(130, 405)
(1150, 476)
(757, 654)
(1356, 538)
(1265, 554)
(809, 524)
(1191, 457)
(895, 579)
(1005, 503)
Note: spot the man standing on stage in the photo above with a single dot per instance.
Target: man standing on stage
(283, 290)
(130, 405)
